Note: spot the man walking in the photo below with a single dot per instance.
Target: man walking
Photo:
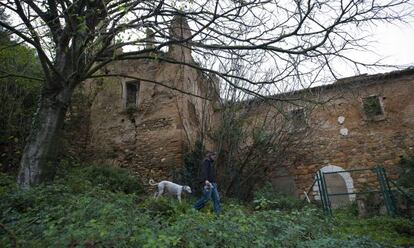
(208, 176)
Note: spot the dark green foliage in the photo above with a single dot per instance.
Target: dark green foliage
(111, 178)
(372, 106)
(16, 111)
(165, 208)
(79, 211)
(407, 172)
(238, 228)
(190, 174)
(87, 205)
(268, 198)
(18, 97)
(386, 230)
(349, 242)
(405, 193)
(280, 202)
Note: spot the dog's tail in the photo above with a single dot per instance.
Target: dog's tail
(152, 183)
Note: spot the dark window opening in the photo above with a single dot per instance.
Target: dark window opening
(132, 89)
(297, 119)
(372, 107)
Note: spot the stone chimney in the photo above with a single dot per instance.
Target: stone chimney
(179, 32)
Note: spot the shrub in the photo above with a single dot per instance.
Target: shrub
(56, 216)
(349, 242)
(407, 172)
(267, 198)
(165, 207)
(190, 173)
(18, 97)
(383, 229)
(93, 215)
(107, 177)
(7, 184)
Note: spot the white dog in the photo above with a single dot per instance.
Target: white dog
(170, 188)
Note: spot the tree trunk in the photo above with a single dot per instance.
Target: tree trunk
(38, 163)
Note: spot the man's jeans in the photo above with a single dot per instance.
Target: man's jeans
(209, 192)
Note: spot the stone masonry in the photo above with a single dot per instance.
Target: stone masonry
(366, 121)
(346, 135)
(149, 126)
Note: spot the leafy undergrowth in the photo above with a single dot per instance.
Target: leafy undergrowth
(94, 207)
(385, 230)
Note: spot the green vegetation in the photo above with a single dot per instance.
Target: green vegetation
(190, 174)
(106, 207)
(268, 198)
(372, 106)
(407, 172)
(385, 230)
(18, 97)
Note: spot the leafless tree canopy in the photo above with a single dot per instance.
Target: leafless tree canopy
(282, 44)
(281, 41)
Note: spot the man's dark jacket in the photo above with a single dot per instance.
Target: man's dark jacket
(208, 171)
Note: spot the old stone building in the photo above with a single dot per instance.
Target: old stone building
(145, 122)
(147, 126)
(367, 121)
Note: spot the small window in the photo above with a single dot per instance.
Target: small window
(373, 108)
(297, 119)
(131, 94)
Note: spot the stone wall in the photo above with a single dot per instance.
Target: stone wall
(175, 106)
(152, 139)
(343, 137)
(171, 111)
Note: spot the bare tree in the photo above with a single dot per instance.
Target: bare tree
(288, 41)
(255, 137)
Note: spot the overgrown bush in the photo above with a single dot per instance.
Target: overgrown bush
(94, 214)
(268, 198)
(18, 105)
(7, 183)
(190, 173)
(63, 213)
(18, 97)
(388, 231)
(349, 242)
(165, 207)
(407, 172)
(251, 147)
(113, 179)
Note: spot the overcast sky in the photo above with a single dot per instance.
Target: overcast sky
(394, 43)
(397, 42)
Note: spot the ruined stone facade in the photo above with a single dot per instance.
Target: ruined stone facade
(148, 126)
(366, 121)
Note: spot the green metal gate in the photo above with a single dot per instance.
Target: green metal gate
(384, 189)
